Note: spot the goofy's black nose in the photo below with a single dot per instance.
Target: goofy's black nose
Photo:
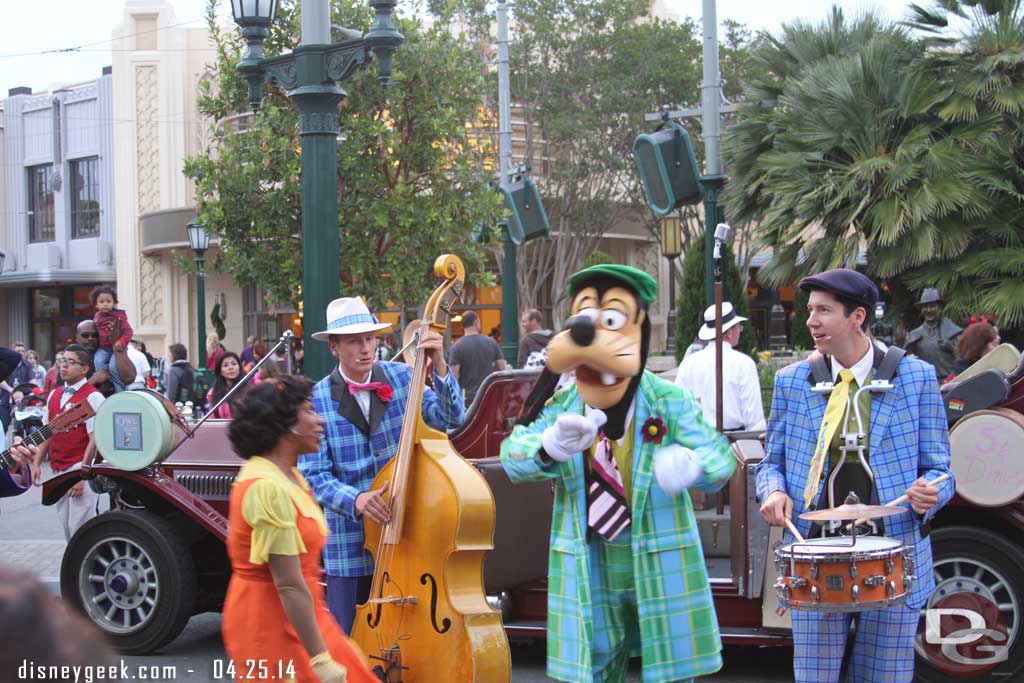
(581, 329)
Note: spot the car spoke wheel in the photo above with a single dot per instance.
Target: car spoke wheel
(980, 572)
(133, 576)
(118, 585)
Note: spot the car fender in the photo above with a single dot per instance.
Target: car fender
(179, 497)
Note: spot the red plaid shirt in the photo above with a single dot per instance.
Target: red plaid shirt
(106, 324)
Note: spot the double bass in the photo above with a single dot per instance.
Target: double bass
(427, 619)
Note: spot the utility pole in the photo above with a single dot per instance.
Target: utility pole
(711, 124)
(509, 293)
(710, 113)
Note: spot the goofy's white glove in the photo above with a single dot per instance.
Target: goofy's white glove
(572, 433)
(676, 468)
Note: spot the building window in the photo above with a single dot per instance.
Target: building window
(85, 198)
(260, 320)
(55, 314)
(40, 204)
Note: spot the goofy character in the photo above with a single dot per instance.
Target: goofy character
(626, 570)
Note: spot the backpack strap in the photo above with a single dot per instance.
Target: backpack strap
(887, 368)
(819, 369)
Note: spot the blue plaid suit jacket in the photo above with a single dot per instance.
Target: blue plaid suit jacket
(907, 439)
(348, 459)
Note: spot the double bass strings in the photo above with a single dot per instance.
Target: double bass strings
(386, 551)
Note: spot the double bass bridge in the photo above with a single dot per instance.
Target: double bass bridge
(394, 600)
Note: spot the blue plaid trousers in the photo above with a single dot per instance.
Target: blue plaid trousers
(883, 645)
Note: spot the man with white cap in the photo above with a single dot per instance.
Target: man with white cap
(363, 403)
(742, 407)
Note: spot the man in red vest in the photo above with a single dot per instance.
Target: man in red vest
(80, 503)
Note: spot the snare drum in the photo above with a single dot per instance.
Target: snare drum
(830, 575)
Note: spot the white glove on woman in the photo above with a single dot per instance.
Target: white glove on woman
(677, 468)
(571, 434)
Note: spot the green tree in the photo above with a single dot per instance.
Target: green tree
(584, 72)
(878, 141)
(691, 297)
(412, 179)
(799, 335)
(981, 74)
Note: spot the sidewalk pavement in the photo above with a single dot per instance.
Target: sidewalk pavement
(31, 538)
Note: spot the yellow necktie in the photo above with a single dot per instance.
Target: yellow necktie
(834, 412)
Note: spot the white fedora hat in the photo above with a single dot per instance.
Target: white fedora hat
(729, 319)
(349, 315)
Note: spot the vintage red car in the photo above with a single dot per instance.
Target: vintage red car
(141, 571)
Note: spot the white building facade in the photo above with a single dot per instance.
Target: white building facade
(59, 225)
(158, 66)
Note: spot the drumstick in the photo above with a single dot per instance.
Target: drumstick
(903, 499)
(796, 532)
(933, 482)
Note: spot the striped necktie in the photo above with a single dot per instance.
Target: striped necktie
(608, 513)
(835, 409)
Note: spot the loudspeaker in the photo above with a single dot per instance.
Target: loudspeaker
(528, 219)
(668, 169)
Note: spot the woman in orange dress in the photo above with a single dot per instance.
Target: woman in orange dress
(276, 626)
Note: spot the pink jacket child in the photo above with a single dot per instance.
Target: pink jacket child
(114, 331)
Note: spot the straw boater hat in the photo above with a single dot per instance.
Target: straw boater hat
(349, 315)
(729, 319)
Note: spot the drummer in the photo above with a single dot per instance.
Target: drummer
(907, 445)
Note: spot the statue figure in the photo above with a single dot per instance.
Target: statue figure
(935, 340)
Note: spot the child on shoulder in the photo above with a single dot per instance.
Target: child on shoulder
(114, 330)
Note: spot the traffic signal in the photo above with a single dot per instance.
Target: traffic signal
(528, 219)
(668, 169)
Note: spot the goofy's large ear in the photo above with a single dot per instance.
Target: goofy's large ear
(543, 390)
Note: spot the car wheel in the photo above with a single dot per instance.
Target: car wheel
(979, 577)
(133, 576)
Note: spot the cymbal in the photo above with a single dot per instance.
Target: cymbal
(851, 512)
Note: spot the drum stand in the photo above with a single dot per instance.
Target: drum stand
(852, 443)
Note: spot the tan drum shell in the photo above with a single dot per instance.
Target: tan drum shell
(835, 574)
(987, 449)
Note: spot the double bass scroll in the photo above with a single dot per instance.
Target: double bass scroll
(427, 619)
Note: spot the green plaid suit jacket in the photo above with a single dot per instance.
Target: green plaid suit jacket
(678, 628)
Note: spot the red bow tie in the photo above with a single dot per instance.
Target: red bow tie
(353, 387)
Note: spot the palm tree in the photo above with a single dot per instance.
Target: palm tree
(982, 73)
(871, 147)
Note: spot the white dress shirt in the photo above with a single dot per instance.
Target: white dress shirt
(95, 400)
(362, 396)
(742, 406)
(860, 369)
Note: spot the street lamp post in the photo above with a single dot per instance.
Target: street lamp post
(509, 300)
(200, 242)
(671, 248)
(310, 75)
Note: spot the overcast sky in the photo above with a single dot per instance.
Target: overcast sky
(34, 26)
